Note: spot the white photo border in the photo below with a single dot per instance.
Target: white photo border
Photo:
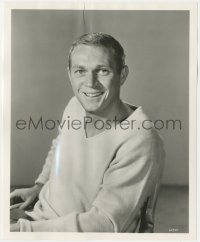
(94, 5)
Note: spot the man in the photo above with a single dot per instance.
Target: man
(97, 176)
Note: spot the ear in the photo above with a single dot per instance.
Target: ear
(124, 74)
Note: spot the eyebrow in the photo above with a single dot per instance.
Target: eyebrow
(107, 66)
(83, 67)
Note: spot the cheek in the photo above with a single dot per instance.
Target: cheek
(106, 82)
(114, 88)
(112, 85)
(75, 84)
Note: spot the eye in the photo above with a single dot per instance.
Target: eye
(103, 72)
(79, 72)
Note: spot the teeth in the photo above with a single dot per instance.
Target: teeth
(93, 94)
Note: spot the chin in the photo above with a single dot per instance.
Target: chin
(91, 109)
(91, 106)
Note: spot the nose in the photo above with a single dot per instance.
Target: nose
(91, 79)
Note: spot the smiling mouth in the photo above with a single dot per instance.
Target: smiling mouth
(96, 94)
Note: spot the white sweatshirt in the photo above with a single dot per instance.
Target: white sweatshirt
(97, 184)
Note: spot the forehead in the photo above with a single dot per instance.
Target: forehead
(86, 54)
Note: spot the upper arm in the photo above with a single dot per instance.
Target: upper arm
(129, 179)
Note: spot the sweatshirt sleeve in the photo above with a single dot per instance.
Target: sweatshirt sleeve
(128, 181)
(44, 175)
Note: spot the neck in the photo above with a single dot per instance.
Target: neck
(118, 112)
(107, 113)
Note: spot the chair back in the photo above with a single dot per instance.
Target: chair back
(148, 212)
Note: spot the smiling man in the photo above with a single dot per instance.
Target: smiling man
(95, 179)
(96, 78)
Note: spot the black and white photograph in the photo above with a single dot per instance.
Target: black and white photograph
(99, 108)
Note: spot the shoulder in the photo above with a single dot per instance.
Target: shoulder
(141, 135)
(73, 103)
(144, 126)
(73, 108)
(137, 125)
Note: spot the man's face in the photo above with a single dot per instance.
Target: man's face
(95, 79)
